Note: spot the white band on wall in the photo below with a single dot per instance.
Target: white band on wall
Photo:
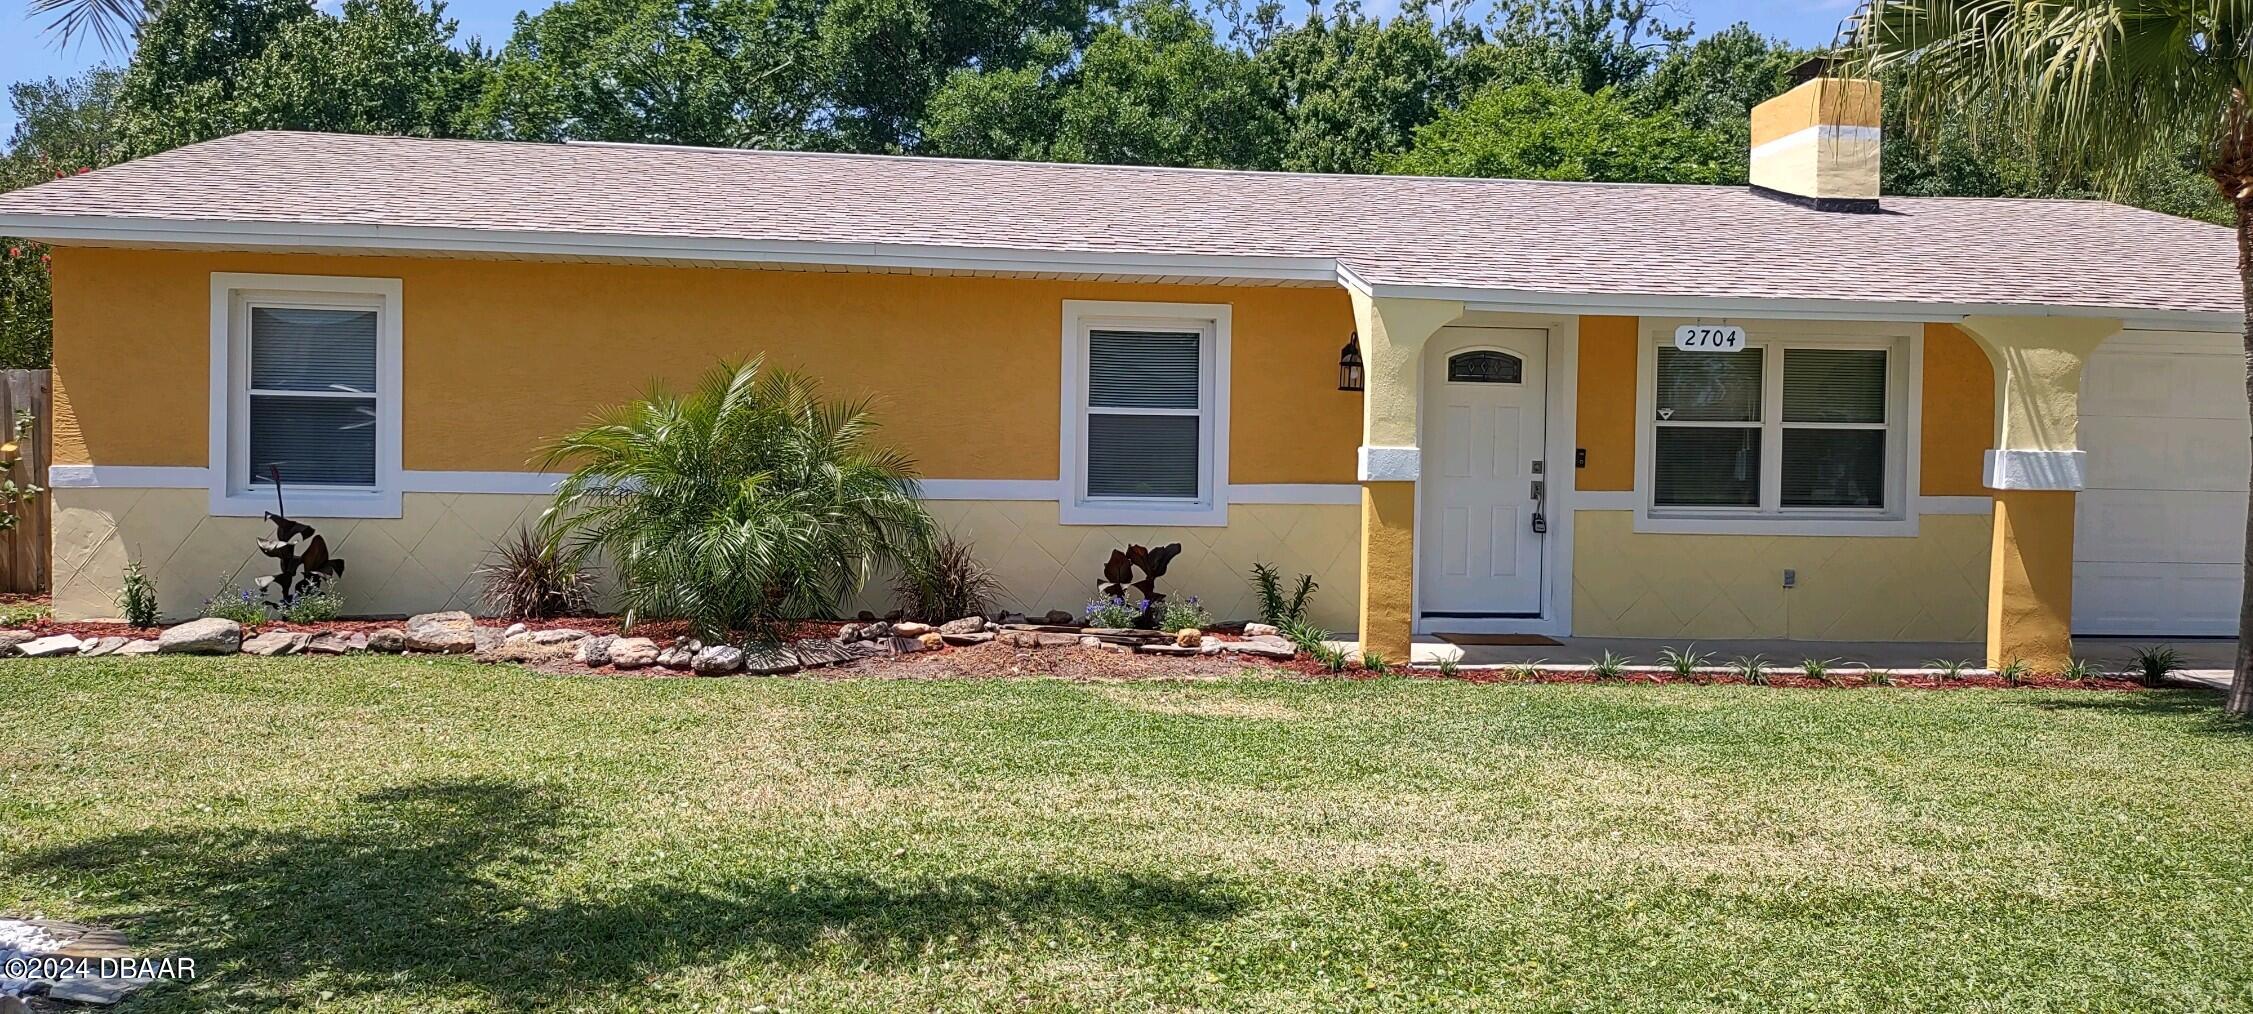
(2037, 470)
(1391, 464)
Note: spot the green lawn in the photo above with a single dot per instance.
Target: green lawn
(425, 835)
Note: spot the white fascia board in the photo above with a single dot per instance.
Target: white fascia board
(66, 229)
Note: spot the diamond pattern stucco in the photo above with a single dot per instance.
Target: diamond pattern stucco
(1931, 587)
(426, 559)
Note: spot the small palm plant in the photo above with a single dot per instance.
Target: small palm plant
(2154, 663)
(745, 502)
(1684, 663)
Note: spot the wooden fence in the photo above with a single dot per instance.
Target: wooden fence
(24, 549)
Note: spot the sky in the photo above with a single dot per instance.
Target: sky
(27, 52)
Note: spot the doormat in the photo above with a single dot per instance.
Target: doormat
(1502, 640)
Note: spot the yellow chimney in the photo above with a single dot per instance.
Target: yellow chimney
(1817, 145)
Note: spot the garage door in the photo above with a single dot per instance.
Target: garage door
(2159, 541)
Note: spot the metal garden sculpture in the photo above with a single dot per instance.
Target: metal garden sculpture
(306, 565)
(1118, 577)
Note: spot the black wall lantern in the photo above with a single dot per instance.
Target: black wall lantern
(1349, 364)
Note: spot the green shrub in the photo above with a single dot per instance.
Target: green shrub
(744, 503)
(1878, 677)
(946, 582)
(136, 597)
(1330, 657)
(1684, 664)
(1752, 669)
(1276, 608)
(1947, 671)
(1449, 667)
(2014, 672)
(530, 578)
(2154, 663)
(24, 613)
(1609, 666)
(1183, 614)
(317, 604)
(1819, 670)
(1376, 662)
(237, 604)
(2080, 669)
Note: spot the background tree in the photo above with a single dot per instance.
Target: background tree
(2101, 90)
(1552, 132)
(380, 67)
(62, 127)
(189, 62)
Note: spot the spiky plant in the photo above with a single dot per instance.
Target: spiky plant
(530, 578)
(946, 583)
(745, 502)
(2103, 88)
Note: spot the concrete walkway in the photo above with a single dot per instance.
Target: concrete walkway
(2204, 659)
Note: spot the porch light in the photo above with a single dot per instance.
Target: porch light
(1349, 364)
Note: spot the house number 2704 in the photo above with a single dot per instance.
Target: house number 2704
(1709, 338)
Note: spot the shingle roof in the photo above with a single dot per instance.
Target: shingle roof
(1625, 242)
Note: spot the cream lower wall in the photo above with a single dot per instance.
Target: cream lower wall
(1930, 587)
(425, 560)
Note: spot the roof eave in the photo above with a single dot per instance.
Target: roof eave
(66, 230)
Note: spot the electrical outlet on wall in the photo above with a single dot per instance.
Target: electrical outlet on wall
(1791, 578)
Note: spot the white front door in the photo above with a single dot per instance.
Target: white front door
(1485, 427)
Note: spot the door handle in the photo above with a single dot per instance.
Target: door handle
(1540, 500)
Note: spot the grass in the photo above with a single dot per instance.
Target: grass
(432, 835)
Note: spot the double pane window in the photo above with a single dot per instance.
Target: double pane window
(1773, 428)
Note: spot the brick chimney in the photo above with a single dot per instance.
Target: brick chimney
(1817, 145)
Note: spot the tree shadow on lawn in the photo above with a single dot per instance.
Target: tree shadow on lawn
(426, 888)
(2200, 711)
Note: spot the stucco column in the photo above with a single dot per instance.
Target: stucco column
(1392, 332)
(2034, 470)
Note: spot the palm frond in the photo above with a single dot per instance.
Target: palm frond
(113, 23)
(2098, 87)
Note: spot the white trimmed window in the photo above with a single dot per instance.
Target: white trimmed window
(1145, 421)
(1801, 431)
(305, 382)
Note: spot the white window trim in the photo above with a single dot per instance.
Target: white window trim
(1210, 508)
(1904, 409)
(231, 294)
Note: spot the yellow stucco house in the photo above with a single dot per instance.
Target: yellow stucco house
(1798, 410)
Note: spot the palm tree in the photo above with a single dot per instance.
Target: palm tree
(2100, 87)
(113, 23)
(746, 502)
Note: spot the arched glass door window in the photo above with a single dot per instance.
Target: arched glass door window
(1485, 367)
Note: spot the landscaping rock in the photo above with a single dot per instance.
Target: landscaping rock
(680, 656)
(9, 639)
(1264, 646)
(208, 636)
(1169, 649)
(849, 633)
(1261, 630)
(1057, 618)
(357, 642)
(933, 641)
(560, 635)
(1189, 637)
(813, 652)
(594, 651)
(452, 632)
(965, 625)
(901, 645)
(1008, 618)
(876, 631)
(329, 642)
(389, 641)
(276, 642)
(49, 647)
(527, 650)
(770, 663)
(515, 630)
(103, 646)
(1045, 628)
(910, 628)
(1090, 641)
(1021, 638)
(717, 660)
(633, 652)
(966, 640)
(139, 646)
